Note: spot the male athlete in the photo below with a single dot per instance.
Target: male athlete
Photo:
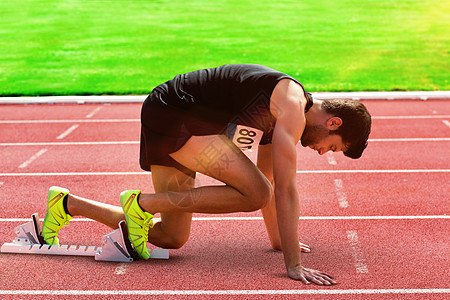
(199, 122)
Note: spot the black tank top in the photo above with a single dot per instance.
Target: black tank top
(227, 97)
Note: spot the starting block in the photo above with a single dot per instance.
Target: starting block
(116, 246)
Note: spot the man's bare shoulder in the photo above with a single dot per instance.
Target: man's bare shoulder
(287, 97)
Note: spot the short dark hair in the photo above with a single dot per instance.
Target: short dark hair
(356, 124)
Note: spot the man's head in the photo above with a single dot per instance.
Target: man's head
(344, 125)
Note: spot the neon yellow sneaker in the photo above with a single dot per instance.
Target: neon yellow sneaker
(138, 222)
(56, 216)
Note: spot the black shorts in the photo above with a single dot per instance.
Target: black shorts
(165, 129)
(158, 135)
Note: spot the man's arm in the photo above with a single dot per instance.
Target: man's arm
(264, 163)
(287, 105)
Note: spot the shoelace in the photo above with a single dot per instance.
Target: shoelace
(148, 223)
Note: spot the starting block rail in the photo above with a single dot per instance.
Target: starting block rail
(116, 246)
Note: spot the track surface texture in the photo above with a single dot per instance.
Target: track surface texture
(379, 224)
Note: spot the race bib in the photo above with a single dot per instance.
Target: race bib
(244, 137)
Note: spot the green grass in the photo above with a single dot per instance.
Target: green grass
(128, 47)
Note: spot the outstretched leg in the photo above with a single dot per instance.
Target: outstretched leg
(107, 214)
(62, 206)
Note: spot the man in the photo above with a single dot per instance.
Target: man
(197, 122)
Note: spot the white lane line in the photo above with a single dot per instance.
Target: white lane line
(224, 292)
(72, 143)
(446, 123)
(33, 158)
(75, 174)
(298, 172)
(410, 117)
(138, 120)
(67, 132)
(137, 142)
(331, 160)
(358, 256)
(341, 195)
(410, 140)
(374, 171)
(92, 113)
(304, 218)
(68, 121)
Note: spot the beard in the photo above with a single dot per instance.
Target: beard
(313, 135)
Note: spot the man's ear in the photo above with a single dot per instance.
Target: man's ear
(334, 123)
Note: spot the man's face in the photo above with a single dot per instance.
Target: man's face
(318, 138)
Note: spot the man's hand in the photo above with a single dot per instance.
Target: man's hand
(308, 275)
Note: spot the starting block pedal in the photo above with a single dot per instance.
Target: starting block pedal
(116, 246)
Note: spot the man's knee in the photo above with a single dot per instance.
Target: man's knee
(167, 240)
(176, 242)
(261, 194)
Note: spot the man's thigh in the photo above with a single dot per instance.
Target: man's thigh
(216, 156)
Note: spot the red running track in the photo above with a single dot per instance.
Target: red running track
(378, 224)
